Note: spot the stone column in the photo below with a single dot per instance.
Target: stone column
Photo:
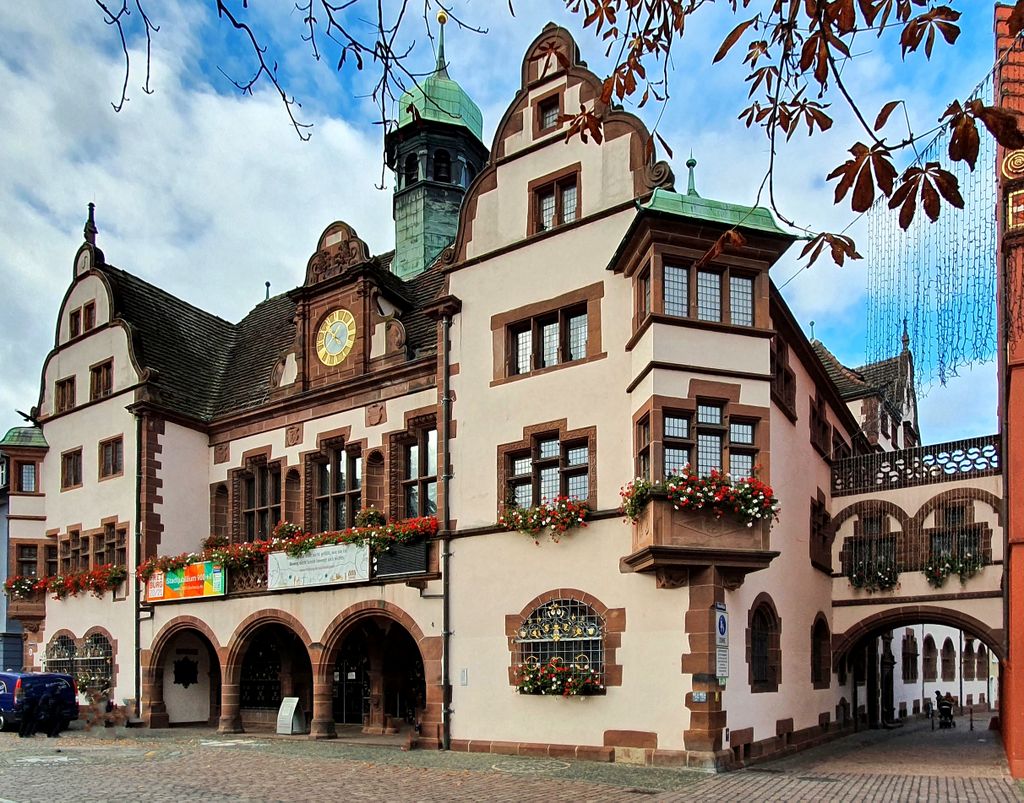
(707, 718)
(322, 726)
(375, 653)
(230, 714)
(153, 699)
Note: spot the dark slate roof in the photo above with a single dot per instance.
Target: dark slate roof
(850, 383)
(880, 378)
(205, 367)
(884, 375)
(188, 348)
(421, 331)
(261, 337)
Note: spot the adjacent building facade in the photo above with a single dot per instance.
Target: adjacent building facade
(549, 326)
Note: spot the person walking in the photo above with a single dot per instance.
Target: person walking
(50, 714)
(29, 717)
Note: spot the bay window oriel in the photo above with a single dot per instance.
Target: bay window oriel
(675, 288)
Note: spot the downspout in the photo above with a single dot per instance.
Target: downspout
(138, 560)
(446, 411)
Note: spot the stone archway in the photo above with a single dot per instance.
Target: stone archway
(171, 692)
(269, 657)
(898, 616)
(393, 643)
(866, 649)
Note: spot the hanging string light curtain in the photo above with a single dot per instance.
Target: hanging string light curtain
(938, 277)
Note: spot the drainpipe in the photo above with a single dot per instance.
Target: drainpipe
(446, 412)
(138, 552)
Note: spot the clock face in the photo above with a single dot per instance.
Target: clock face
(336, 336)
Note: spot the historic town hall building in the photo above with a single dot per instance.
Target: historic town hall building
(548, 326)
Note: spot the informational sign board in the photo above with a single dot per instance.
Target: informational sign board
(324, 566)
(722, 662)
(189, 582)
(290, 718)
(721, 629)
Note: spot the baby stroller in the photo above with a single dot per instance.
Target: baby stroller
(946, 714)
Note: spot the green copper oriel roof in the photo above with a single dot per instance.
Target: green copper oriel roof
(692, 205)
(25, 436)
(439, 98)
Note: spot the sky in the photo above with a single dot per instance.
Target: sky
(209, 193)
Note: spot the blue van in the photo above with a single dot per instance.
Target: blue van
(16, 687)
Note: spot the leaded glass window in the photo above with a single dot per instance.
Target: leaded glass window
(709, 296)
(548, 340)
(556, 203)
(677, 291)
(741, 300)
(551, 468)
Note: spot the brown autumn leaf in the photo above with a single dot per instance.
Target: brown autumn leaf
(1001, 124)
(868, 167)
(730, 240)
(941, 19)
(963, 141)
(929, 183)
(883, 115)
(840, 246)
(732, 39)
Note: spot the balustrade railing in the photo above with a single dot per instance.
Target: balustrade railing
(922, 465)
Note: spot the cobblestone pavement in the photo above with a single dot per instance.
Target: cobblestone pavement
(913, 763)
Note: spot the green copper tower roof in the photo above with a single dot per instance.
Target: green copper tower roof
(439, 98)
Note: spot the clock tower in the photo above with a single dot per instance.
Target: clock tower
(436, 151)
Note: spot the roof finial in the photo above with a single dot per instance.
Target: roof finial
(812, 330)
(906, 336)
(442, 67)
(90, 225)
(268, 290)
(691, 184)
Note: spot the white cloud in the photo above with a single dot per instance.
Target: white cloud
(209, 194)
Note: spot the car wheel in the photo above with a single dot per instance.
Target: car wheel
(3, 722)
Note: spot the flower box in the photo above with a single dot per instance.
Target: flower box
(29, 608)
(400, 559)
(673, 543)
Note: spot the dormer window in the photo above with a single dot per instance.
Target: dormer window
(442, 167)
(89, 316)
(555, 202)
(548, 111)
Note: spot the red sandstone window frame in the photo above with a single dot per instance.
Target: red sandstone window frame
(74, 323)
(505, 326)
(101, 380)
(529, 447)
(89, 316)
(763, 646)
(64, 395)
(821, 653)
(556, 185)
(71, 469)
(110, 462)
(541, 106)
(420, 478)
(334, 454)
(783, 386)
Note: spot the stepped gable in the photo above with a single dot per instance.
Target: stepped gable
(261, 338)
(186, 349)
